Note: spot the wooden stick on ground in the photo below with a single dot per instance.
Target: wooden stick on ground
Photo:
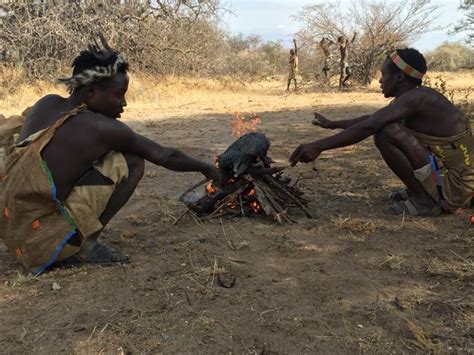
(271, 181)
(279, 211)
(181, 216)
(203, 181)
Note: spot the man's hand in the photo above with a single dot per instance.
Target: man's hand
(323, 122)
(305, 153)
(211, 172)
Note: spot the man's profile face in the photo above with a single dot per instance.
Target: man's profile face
(108, 98)
(389, 80)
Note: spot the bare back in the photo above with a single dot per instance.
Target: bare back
(344, 49)
(44, 114)
(324, 45)
(74, 147)
(434, 114)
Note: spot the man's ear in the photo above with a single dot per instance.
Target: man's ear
(90, 91)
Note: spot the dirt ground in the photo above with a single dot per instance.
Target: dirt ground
(352, 280)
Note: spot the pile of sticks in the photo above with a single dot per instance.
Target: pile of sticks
(258, 191)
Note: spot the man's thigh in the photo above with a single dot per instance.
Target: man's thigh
(90, 196)
(405, 141)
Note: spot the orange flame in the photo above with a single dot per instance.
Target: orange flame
(210, 188)
(255, 206)
(241, 125)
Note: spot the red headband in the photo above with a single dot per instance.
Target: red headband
(405, 67)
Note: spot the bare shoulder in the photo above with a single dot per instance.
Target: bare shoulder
(428, 92)
(102, 125)
(52, 99)
(91, 120)
(421, 95)
(45, 103)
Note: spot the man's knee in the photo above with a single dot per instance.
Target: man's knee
(388, 134)
(136, 166)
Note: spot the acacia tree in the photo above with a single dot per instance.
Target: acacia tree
(467, 23)
(162, 36)
(381, 25)
(450, 57)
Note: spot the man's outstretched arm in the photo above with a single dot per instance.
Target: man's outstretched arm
(323, 122)
(119, 137)
(356, 133)
(353, 37)
(296, 47)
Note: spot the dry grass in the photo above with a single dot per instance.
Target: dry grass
(181, 96)
(358, 225)
(423, 340)
(393, 262)
(457, 267)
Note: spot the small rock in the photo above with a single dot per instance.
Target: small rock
(226, 281)
(55, 286)
(360, 326)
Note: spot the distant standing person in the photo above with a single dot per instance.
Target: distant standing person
(292, 66)
(344, 48)
(325, 45)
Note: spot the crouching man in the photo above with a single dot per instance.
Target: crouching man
(423, 138)
(74, 166)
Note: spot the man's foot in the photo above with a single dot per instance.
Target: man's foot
(97, 253)
(100, 253)
(399, 195)
(410, 207)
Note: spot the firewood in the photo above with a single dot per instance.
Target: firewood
(272, 182)
(273, 194)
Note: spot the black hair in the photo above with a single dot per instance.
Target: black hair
(414, 58)
(89, 60)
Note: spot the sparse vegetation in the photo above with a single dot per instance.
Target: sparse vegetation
(381, 26)
(450, 57)
(176, 38)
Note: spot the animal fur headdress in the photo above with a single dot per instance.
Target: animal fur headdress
(108, 63)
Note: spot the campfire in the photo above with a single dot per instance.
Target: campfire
(251, 186)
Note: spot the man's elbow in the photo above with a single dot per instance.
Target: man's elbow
(168, 156)
(370, 129)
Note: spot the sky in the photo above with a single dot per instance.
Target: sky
(272, 20)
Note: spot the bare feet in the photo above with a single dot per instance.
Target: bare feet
(100, 253)
(95, 253)
(413, 208)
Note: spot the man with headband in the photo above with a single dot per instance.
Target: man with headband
(424, 139)
(74, 166)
